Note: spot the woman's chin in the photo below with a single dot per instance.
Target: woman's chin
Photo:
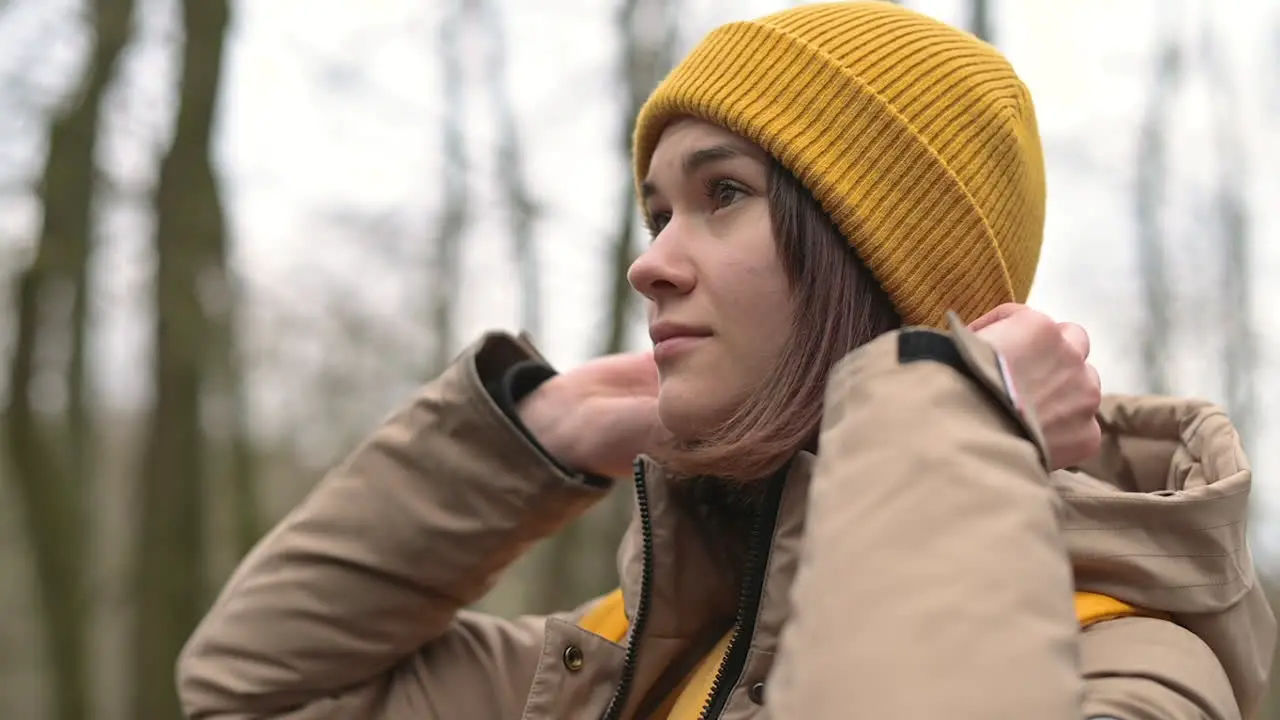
(688, 415)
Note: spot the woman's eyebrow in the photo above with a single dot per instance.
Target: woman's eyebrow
(696, 160)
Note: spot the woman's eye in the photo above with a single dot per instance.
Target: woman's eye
(656, 222)
(725, 194)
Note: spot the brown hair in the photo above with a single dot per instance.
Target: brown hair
(838, 307)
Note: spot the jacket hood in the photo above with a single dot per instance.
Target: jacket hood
(1159, 519)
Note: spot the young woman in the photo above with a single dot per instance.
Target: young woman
(852, 493)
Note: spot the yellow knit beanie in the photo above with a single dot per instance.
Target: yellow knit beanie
(917, 139)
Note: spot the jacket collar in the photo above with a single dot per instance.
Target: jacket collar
(694, 584)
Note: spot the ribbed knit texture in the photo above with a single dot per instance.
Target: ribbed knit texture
(918, 139)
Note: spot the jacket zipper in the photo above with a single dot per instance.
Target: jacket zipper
(735, 656)
(748, 598)
(619, 701)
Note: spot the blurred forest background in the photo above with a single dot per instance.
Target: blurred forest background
(233, 235)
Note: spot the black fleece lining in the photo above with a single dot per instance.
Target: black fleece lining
(917, 345)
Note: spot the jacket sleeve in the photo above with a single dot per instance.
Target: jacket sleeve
(934, 580)
(1140, 668)
(351, 604)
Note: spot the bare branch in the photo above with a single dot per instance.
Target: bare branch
(521, 209)
(444, 281)
(1239, 344)
(982, 20)
(1149, 201)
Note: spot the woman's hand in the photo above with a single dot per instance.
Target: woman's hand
(1049, 362)
(599, 416)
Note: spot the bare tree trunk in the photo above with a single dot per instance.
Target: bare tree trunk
(243, 472)
(1239, 341)
(982, 20)
(226, 389)
(50, 506)
(447, 263)
(648, 40)
(170, 591)
(620, 259)
(52, 478)
(1156, 331)
(521, 210)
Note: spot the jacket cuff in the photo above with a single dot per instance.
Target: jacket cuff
(512, 386)
(990, 369)
(976, 361)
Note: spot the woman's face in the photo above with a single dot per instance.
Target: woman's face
(720, 308)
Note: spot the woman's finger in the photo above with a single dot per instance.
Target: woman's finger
(1076, 337)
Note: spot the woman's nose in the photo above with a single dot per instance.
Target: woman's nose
(662, 269)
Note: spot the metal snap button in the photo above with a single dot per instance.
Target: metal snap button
(573, 658)
(756, 693)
